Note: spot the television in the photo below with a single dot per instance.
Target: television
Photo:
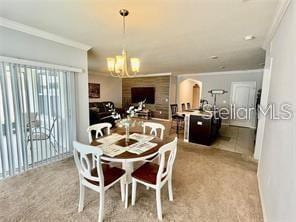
(143, 93)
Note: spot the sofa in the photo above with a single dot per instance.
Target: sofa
(99, 113)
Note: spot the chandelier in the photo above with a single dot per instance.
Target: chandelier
(118, 66)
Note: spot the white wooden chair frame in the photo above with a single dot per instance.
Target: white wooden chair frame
(84, 166)
(98, 128)
(162, 178)
(154, 127)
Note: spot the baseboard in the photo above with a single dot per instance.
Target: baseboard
(261, 199)
(250, 127)
(67, 156)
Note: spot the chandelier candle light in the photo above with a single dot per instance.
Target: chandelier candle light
(118, 66)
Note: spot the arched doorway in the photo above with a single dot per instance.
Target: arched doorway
(195, 96)
(190, 92)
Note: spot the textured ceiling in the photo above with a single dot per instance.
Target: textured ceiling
(175, 36)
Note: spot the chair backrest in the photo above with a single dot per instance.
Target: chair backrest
(183, 107)
(82, 154)
(188, 106)
(98, 129)
(174, 109)
(154, 127)
(166, 166)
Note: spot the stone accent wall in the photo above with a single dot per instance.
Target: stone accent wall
(162, 92)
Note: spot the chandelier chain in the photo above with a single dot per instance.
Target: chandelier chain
(118, 66)
(123, 21)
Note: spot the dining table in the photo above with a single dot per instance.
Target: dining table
(127, 159)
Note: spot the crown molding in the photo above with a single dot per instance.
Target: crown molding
(259, 71)
(41, 34)
(223, 73)
(150, 75)
(90, 72)
(283, 5)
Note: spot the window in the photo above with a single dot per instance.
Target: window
(37, 122)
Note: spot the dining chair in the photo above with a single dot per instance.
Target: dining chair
(154, 127)
(98, 128)
(188, 106)
(157, 175)
(98, 178)
(178, 119)
(183, 107)
(174, 109)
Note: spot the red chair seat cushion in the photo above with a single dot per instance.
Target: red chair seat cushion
(146, 173)
(110, 174)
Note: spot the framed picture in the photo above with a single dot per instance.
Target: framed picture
(93, 90)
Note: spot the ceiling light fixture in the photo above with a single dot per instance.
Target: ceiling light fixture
(214, 57)
(118, 65)
(249, 37)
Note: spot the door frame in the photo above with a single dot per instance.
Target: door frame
(252, 122)
(263, 102)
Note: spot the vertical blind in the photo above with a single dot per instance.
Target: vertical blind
(37, 116)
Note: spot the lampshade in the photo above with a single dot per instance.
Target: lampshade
(119, 61)
(135, 65)
(111, 64)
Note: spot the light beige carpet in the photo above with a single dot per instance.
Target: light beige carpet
(209, 185)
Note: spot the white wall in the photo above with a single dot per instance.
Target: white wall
(277, 165)
(110, 88)
(173, 89)
(20, 45)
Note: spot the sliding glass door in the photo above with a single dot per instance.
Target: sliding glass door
(37, 121)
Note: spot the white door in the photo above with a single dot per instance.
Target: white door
(243, 104)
